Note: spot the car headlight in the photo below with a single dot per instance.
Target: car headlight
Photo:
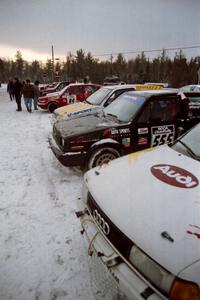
(152, 271)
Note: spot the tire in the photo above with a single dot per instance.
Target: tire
(102, 156)
(52, 107)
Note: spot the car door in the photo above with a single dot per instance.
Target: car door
(75, 94)
(156, 124)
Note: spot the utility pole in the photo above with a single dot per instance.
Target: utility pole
(52, 53)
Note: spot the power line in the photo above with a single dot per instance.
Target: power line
(148, 51)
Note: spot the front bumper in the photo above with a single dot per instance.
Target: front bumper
(129, 284)
(67, 159)
(43, 105)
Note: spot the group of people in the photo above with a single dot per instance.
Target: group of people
(16, 89)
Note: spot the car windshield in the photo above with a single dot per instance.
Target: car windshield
(98, 97)
(195, 99)
(189, 144)
(125, 107)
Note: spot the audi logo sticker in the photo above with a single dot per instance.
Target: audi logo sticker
(103, 225)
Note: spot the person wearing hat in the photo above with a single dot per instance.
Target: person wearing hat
(36, 94)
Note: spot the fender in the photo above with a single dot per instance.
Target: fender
(105, 143)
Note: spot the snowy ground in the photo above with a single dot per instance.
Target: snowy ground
(43, 256)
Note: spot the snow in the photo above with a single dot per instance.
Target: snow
(43, 256)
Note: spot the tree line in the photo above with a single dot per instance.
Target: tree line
(177, 71)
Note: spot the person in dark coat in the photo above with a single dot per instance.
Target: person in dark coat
(17, 86)
(10, 89)
(36, 94)
(28, 93)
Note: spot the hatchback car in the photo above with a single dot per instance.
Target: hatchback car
(75, 92)
(141, 214)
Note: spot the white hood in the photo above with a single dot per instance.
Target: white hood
(143, 206)
(55, 94)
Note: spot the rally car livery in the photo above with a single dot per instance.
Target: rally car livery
(75, 92)
(133, 122)
(98, 100)
(141, 214)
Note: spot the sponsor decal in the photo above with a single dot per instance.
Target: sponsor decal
(71, 99)
(103, 225)
(174, 176)
(114, 131)
(142, 141)
(161, 135)
(147, 87)
(192, 232)
(143, 130)
(124, 131)
(126, 142)
(79, 112)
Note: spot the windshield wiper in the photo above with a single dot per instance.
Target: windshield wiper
(112, 115)
(192, 154)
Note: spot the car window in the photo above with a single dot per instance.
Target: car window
(76, 89)
(160, 109)
(189, 144)
(125, 107)
(98, 97)
(61, 86)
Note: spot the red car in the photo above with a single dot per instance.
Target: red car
(54, 87)
(75, 92)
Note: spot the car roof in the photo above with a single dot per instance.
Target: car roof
(82, 84)
(150, 93)
(127, 86)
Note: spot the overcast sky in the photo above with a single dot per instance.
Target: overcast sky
(98, 26)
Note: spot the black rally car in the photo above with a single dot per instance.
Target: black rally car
(133, 122)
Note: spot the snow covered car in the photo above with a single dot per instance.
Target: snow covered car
(133, 122)
(194, 103)
(97, 101)
(190, 88)
(141, 214)
(75, 92)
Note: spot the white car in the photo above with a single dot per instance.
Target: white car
(190, 88)
(141, 214)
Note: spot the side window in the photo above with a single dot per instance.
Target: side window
(89, 90)
(75, 90)
(114, 96)
(145, 114)
(164, 110)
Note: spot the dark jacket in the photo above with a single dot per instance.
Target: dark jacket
(28, 91)
(10, 87)
(36, 91)
(17, 86)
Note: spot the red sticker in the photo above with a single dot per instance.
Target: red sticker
(175, 176)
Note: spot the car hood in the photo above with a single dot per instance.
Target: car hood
(82, 125)
(76, 107)
(143, 202)
(55, 94)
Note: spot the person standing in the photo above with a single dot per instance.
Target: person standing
(17, 86)
(10, 89)
(28, 93)
(36, 94)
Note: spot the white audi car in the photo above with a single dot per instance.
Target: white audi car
(141, 214)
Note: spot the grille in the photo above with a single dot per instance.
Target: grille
(121, 242)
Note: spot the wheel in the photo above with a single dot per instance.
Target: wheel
(102, 156)
(52, 107)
